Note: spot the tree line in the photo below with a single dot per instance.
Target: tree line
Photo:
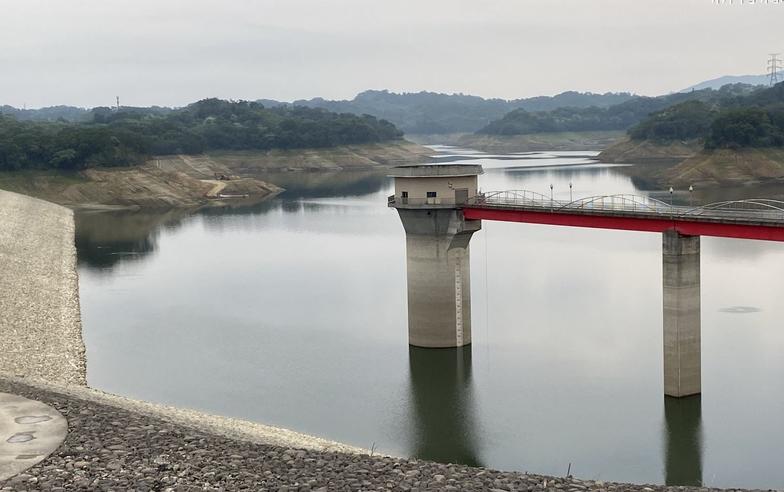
(128, 136)
(620, 116)
(435, 113)
(756, 120)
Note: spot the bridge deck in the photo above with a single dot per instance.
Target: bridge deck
(761, 219)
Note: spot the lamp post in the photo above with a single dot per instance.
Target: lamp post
(671, 210)
(691, 196)
(570, 192)
(551, 197)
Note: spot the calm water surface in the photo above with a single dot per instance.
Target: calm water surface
(292, 312)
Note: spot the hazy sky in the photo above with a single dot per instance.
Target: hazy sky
(172, 52)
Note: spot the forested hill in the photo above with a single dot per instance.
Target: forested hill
(616, 117)
(129, 135)
(434, 113)
(52, 113)
(755, 120)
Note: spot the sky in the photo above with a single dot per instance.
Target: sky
(173, 52)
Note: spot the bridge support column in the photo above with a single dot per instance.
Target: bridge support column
(682, 359)
(438, 276)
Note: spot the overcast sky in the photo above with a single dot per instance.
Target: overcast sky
(172, 52)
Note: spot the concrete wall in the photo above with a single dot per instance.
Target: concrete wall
(682, 352)
(438, 277)
(40, 323)
(418, 187)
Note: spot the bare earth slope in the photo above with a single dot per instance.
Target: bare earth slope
(187, 181)
(644, 151)
(344, 158)
(144, 186)
(538, 142)
(40, 324)
(729, 167)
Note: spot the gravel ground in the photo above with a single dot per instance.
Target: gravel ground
(40, 326)
(112, 448)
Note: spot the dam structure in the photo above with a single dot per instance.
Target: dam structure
(441, 208)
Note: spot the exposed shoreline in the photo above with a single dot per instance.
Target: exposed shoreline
(532, 142)
(208, 180)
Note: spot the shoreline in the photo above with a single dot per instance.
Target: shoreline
(190, 181)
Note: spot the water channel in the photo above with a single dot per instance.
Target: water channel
(292, 312)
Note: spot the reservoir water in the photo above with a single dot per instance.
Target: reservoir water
(292, 312)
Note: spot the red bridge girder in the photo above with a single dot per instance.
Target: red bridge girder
(626, 223)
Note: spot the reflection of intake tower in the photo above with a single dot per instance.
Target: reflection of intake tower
(437, 236)
(444, 426)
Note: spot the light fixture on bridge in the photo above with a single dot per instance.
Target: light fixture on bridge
(551, 196)
(691, 195)
(671, 192)
(570, 192)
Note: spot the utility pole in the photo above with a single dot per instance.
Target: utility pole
(774, 65)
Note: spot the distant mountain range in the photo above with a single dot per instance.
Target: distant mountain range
(436, 113)
(616, 117)
(718, 82)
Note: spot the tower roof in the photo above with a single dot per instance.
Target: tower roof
(436, 170)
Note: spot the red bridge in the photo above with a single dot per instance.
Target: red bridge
(761, 219)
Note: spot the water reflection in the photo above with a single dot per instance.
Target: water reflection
(327, 184)
(445, 428)
(683, 441)
(105, 239)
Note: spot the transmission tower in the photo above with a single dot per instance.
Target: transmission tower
(774, 65)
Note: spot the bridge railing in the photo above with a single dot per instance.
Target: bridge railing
(619, 202)
(737, 210)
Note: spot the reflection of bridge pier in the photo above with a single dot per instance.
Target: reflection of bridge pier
(683, 441)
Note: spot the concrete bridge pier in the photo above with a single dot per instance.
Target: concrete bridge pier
(681, 271)
(438, 276)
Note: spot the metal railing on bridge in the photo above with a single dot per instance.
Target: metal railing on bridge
(750, 210)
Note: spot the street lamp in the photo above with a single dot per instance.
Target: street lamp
(671, 192)
(570, 191)
(551, 196)
(691, 196)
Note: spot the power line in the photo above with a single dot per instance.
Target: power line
(774, 65)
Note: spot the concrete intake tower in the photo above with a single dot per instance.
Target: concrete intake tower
(428, 199)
